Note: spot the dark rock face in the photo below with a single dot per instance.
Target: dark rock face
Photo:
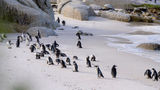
(29, 13)
(149, 46)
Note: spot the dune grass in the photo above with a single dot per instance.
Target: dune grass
(147, 6)
(6, 27)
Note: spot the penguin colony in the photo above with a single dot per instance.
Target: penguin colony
(49, 49)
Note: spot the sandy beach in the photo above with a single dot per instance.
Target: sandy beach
(18, 66)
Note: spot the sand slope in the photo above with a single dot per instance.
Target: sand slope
(20, 68)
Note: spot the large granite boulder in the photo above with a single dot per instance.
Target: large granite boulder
(95, 7)
(53, 1)
(28, 13)
(149, 46)
(115, 15)
(75, 9)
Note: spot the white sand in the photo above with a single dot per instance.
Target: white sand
(36, 74)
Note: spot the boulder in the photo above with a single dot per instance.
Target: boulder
(75, 9)
(115, 15)
(28, 13)
(43, 30)
(149, 46)
(53, 1)
(95, 7)
(108, 6)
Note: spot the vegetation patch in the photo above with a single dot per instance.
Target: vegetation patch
(147, 6)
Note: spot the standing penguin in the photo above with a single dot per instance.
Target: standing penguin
(20, 38)
(114, 71)
(99, 72)
(154, 75)
(57, 52)
(148, 73)
(159, 74)
(18, 42)
(79, 45)
(93, 58)
(44, 49)
(23, 36)
(37, 38)
(63, 23)
(38, 56)
(68, 61)
(78, 35)
(63, 65)
(29, 36)
(58, 60)
(39, 34)
(88, 62)
(9, 44)
(50, 61)
(54, 46)
(75, 66)
(58, 20)
(32, 48)
(27, 42)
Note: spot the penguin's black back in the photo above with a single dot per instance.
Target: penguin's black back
(114, 72)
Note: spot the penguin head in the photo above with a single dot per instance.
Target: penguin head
(96, 66)
(114, 66)
(153, 69)
(74, 61)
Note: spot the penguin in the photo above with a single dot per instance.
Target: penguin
(148, 73)
(29, 36)
(44, 49)
(63, 65)
(58, 60)
(48, 47)
(75, 66)
(88, 62)
(18, 42)
(32, 48)
(38, 45)
(114, 71)
(79, 45)
(41, 54)
(159, 74)
(63, 23)
(55, 44)
(154, 75)
(63, 55)
(50, 61)
(75, 57)
(20, 38)
(78, 35)
(38, 56)
(37, 38)
(57, 53)
(58, 20)
(23, 37)
(99, 72)
(68, 61)
(9, 44)
(93, 58)
(27, 42)
(39, 34)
